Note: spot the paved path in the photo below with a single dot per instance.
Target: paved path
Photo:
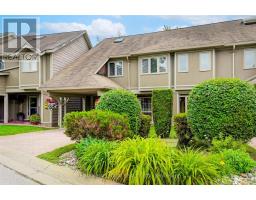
(18, 153)
(253, 142)
(35, 143)
(10, 177)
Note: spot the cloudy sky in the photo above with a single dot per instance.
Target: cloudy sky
(100, 27)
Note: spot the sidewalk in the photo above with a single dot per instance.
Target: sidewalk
(45, 173)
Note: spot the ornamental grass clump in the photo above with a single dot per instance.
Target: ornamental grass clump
(193, 167)
(96, 158)
(142, 162)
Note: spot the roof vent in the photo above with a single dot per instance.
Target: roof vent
(118, 40)
(249, 21)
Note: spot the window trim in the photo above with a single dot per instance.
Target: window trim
(200, 67)
(115, 61)
(30, 71)
(178, 65)
(3, 61)
(246, 50)
(149, 64)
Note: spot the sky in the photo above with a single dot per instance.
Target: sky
(100, 26)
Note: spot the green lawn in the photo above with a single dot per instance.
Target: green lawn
(16, 129)
(54, 156)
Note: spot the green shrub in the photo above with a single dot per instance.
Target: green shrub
(122, 101)
(232, 161)
(162, 111)
(223, 107)
(142, 162)
(145, 125)
(182, 129)
(83, 144)
(219, 145)
(97, 123)
(35, 119)
(194, 168)
(96, 158)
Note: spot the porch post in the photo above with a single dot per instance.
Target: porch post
(83, 103)
(6, 106)
(60, 113)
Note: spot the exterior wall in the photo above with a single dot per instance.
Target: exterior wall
(69, 54)
(194, 75)
(224, 63)
(45, 62)
(1, 108)
(13, 78)
(2, 84)
(134, 74)
(29, 79)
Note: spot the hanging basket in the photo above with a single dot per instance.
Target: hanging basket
(50, 104)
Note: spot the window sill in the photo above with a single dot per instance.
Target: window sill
(158, 73)
(116, 76)
(249, 68)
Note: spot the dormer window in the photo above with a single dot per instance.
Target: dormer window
(115, 68)
(2, 64)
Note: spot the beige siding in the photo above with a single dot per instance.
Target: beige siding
(69, 54)
(240, 72)
(134, 74)
(121, 80)
(13, 78)
(45, 68)
(154, 81)
(30, 79)
(2, 84)
(1, 108)
(11, 64)
(224, 63)
(194, 75)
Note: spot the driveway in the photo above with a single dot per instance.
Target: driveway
(35, 143)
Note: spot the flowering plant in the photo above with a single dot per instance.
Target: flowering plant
(50, 104)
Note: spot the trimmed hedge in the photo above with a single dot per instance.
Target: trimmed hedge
(122, 101)
(96, 123)
(182, 129)
(145, 125)
(223, 107)
(162, 111)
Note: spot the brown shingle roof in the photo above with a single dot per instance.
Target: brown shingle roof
(82, 72)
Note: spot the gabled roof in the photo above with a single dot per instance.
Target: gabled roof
(81, 72)
(49, 43)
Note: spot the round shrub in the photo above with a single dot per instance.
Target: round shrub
(96, 123)
(222, 107)
(122, 101)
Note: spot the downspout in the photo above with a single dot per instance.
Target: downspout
(129, 81)
(233, 61)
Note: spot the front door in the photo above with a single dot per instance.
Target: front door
(33, 105)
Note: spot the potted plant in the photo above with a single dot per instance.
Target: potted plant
(35, 119)
(20, 116)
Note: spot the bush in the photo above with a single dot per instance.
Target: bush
(145, 125)
(96, 158)
(194, 168)
(97, 123)
(232, 161)
(35, 119)
(223, 107)
(162, 111)
(182, 129)
(142, 162)
(122, 101)
(219, 145)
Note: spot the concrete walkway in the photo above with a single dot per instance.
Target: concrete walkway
(18, 153)
(253, 142)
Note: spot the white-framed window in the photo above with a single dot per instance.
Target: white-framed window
(28, 65)
(154, 65)
(205, 61)
(250, 58)
(115, 68)
(145, 105)
(182, 62)
(2, 64)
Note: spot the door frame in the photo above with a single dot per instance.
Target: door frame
(29, 107)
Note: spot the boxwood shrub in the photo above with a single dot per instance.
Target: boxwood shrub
(145, 125)
(122, 101)
(162, 111)
(182, 129)
(96, 123)
(219, 108)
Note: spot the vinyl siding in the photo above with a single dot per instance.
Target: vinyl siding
(2, 84)
(69, 54)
